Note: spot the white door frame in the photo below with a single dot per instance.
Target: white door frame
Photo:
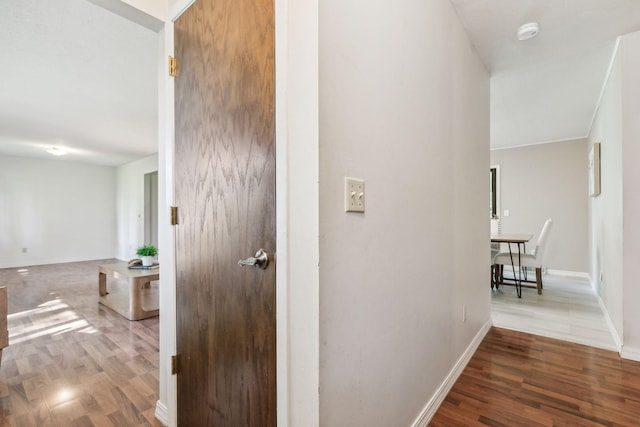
(297, 214)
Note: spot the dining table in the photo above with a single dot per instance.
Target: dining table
(520, 241)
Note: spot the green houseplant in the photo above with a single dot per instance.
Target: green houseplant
(146, 254)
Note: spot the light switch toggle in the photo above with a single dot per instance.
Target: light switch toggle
(354, 195)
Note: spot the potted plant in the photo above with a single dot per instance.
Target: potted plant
(146, 254)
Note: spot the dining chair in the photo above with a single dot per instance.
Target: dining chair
(496, 228)
(532, 259)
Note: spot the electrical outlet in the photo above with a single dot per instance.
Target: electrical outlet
(353, 195)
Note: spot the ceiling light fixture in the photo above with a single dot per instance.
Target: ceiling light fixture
(528, 31)
(56, 151)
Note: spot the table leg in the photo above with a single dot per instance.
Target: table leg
(518, 278)
(519, 271)
(102, 284)
(135, 297)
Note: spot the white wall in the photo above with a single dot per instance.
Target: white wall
(404, 104)
(630, 72)
(60, 211)
(606, 231)
(615, 229)
(615, 223)
(130, 205)
(548, 181)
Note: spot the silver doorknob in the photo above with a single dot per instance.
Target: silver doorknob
(260, 260)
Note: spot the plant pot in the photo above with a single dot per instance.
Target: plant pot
(147, 261)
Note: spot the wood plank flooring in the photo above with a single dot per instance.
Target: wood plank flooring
(567, 310)
(70, 360)
(520, 379)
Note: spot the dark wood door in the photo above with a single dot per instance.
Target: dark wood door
(225, 193)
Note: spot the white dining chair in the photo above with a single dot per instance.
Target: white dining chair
(533, 259)
(496, 228)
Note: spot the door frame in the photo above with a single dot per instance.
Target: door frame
(498, 185)
(297, 214)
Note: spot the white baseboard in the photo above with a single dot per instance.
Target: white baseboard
(436, 400)
(612, 329)
(162, 414)
(566, 273)
(630, 353)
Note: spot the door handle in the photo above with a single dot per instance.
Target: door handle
(260, 260)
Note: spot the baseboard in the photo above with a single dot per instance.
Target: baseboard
(162, 414)
(612, 329)
(566, 273)
(436, 400)
(630, 353)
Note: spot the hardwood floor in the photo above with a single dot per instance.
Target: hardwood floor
(567, 310)
(70, 360)
(520, 379)
(74, 362)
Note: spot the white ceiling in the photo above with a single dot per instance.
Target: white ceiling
(77, 76)
(547, 88)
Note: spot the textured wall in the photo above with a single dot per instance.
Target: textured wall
(404, 105)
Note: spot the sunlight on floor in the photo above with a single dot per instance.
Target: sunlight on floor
(53, 318)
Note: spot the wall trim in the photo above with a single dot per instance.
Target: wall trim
(161, 413)
(178, 8)
(568, 273)
(436, 400)
(605, 84)
(630, 353)
(612, 329)
(530, 144)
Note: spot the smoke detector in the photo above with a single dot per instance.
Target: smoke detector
(528, 31)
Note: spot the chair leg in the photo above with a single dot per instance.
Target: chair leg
(539, 280)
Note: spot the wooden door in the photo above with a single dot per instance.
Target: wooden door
(225, 193)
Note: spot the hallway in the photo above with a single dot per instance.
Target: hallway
(566, 310)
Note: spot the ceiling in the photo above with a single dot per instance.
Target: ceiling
(547, 88)
(77, 76)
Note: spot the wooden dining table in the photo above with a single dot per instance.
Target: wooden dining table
(520, 240)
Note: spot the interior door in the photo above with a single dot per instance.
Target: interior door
(225, 193)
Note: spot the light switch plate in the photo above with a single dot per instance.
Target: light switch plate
(353, 195)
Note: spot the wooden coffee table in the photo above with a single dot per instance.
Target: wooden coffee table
(139, 300)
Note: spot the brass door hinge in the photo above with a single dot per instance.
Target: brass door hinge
(174, 364)
(174, 215)
(173, 66)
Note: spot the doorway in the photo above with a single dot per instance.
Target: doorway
(151, 208)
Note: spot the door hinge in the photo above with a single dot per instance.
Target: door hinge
(174, 364)
(173, 66)
(174, 215)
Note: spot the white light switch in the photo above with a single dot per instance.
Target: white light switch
(353, 195)
(506, 213)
